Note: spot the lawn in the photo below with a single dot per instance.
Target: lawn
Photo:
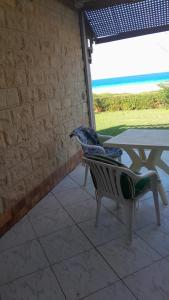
(113, 123)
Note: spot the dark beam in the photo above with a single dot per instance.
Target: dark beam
(87, 70)
(127, 35)
(96, 4)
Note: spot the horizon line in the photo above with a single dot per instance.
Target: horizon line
(139, 77)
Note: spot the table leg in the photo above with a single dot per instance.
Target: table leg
(161, 190)
(136, 160)
(153, 159)
(162, 165)
(142, 154)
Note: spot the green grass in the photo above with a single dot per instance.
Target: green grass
(114, 123)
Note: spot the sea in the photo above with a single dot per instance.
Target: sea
(130, 84)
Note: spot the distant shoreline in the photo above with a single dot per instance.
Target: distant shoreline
(127, 89)
(130, 84)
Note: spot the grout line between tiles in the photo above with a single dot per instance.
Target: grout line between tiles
(22, 276)
(143, 268)
(50, 265)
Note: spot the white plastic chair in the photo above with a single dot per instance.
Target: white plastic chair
(96, 149)
(107, 179)
(91, 148)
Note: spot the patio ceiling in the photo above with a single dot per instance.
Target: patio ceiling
(119, 19)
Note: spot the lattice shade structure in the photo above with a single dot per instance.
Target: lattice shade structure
(120, 21)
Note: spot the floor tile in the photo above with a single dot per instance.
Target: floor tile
(108, 228)
(83, 211)
(20, 233)
(117, 291)
(46, 205)
(64, 244)
(110, 204)
(126, 259)
(21, 260)
(84, 274)
(144, 215)
(157, 236)
(90, 189)
(78, 175)
(41, 285)
(151, 282)
(164, 209)
(64, 184)
(72, 196)
(50, 222)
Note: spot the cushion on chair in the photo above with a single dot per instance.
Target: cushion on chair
(141, 185)
(125, 180)
(86, 135)
(113, 152)
(89, 136)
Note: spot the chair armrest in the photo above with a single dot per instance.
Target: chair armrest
(100, 149)
(150, 174)
(102, 137)
(93, 147)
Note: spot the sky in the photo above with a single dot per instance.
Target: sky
(133, 56)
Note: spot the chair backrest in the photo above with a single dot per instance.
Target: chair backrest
(86, 135)
(113, 181)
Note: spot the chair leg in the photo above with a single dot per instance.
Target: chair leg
(156, 204)
(86, 173)
(98, 200)
(129, 214)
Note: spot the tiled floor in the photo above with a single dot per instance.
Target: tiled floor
(56, 253)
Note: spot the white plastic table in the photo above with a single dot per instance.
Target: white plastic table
(155, 140)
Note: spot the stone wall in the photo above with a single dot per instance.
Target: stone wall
(42, 98)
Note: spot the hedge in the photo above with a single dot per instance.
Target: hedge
(146, 100)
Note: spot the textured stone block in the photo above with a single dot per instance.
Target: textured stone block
(22, 115)
(46, 92)
(51, 76)
(9, 157)
(23, 133)
(15, 77)
(23, 59)
(29, 94)
(9, 3)
(39, 159)
(10, 136)
(28, 148)
(5, 119)
(12, 97)
(6, 58)
(54, 105)
(48, 122)
(3, 100)
(2, 17)
(36, 77)
(5, 179)
(2, 79)
(40, 109)
(16, 20)
(2, 140)
(21, 170)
